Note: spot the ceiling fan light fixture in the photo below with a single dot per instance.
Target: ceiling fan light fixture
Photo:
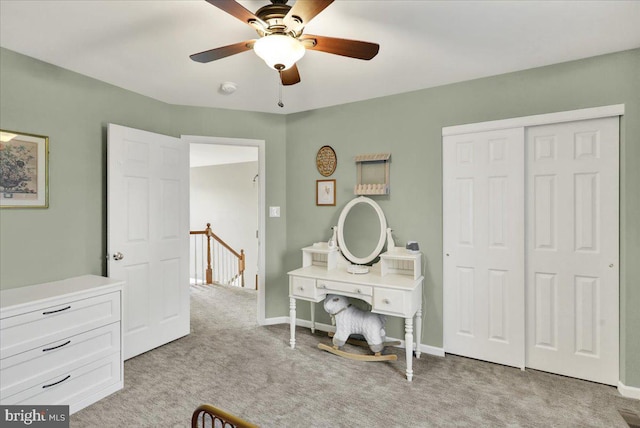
(279, 51)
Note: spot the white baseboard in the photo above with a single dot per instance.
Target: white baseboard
(274, 321)
(628, 391)
(432, 350)
(427, 349)
(319, 326)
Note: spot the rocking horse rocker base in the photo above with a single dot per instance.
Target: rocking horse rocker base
(358, 357)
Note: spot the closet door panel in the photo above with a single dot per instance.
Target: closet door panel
(572, 235)
(483, 178)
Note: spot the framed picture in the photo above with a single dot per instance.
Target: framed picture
(24, 170)
(326, 192)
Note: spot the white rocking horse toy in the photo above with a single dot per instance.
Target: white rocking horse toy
(351, 320)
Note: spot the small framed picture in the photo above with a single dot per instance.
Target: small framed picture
(326, 192)
(24, 170)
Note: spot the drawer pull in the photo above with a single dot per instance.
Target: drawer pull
(386, 301)
(57, 310)
(359, 291)
(55, 383)
(301, 288)
(56, 347)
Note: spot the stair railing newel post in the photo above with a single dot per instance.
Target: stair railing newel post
(241, 267)
(225, 267)
(209, 272)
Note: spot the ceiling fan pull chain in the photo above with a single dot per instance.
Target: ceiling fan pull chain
(280, 103)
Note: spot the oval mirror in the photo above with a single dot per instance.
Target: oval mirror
(361, 230)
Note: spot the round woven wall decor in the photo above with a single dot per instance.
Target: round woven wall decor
(326, 161)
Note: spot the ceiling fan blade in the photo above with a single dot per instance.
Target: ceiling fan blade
(290, 76)
(234, 8)
(351, 48)
(222, 52)
(304, 11)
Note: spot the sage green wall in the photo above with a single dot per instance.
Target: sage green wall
(69, 238)
(410, 125)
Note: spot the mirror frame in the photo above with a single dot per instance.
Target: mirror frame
(383, 230)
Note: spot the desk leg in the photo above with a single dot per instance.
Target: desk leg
(313, 317)
(418, 331)
(292, 316)
(408, 344)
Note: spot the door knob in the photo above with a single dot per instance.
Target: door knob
(118, 256)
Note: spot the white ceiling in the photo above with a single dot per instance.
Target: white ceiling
(144, 46)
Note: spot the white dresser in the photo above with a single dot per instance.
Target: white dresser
(61, 342)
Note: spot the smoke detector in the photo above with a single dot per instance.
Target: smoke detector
(228, 88)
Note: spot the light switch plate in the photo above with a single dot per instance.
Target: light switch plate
(274, 211)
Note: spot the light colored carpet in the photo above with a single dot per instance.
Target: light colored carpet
(248, 370)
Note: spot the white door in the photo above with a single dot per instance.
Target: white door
(483, 235)
(148, 234)
(572, 249)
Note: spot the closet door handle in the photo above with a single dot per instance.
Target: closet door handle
(56, 347)
(55, 383)
(57, 310)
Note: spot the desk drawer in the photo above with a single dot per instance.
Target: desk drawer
(71, 387)
(392, 302)
(302, 287)
(344, 287)
(49, 324)
(32, 367)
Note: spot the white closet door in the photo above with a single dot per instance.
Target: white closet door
(572, 249)
(483, 211)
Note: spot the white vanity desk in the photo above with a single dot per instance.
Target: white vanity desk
(392, 287)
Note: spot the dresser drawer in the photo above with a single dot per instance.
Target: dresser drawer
(34, 329)
(71, 387)
(344, 287)
(27, 369)
(302, 287)
(392, 302)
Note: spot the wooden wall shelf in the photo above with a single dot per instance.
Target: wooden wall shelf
(372, 174)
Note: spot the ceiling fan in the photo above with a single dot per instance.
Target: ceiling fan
(282, 42)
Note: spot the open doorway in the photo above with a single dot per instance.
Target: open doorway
(224, 194)
(227, 191)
